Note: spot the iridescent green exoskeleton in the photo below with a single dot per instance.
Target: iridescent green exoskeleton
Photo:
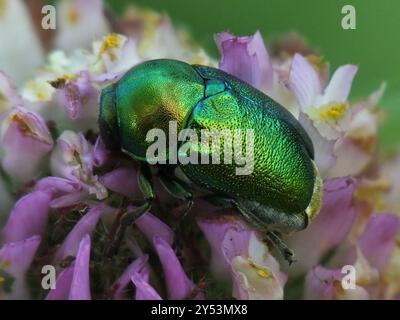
(281, 194)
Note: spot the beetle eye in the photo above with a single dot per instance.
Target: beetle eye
(214, 86)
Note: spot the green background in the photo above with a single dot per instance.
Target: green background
(374, 45)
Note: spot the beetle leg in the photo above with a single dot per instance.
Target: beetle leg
(284, 250)
(146, 187)
(145, 183)
(219, 200)
(178, 190)
(127, 220)
(271, 218)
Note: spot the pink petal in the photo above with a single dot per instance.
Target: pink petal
(64, 192)
(151, 226)
(339, 87)
(303, 82)
(319, 283)
(25, 141)
(122, 180)
(100, 153)
(72, 158)
(144, 291)
(57, 185)
(18, 256)
(28, 217)
(136, 267)
(324, 149)
(79, 98)
(351, 159)
(88, 23)
(330, 227)
(86, 225)
(9, 94)
(179, 286)
(80, 284)
(378, 240)
(246, 58)
(326, 284)
(69, 199)
(228, 237)
(63, 284)
(21, 50)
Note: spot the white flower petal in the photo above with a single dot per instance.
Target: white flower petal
(20, 50)
(339, 87)
(303, 82)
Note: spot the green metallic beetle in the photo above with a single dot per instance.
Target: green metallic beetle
(284, 191)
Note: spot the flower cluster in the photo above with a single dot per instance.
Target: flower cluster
(62, 193)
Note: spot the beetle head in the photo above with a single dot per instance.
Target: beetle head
(148, 96)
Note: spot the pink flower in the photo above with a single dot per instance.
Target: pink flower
(73, 283)
(63, 192)
(79, 22)
(79, 98)
(72, 158)
(144, 291)
(28, 217)
(246, 58)
(122, 180)
(114, 54)
(9, 96)
(152, 227)
(327, 108)
(325, 157)
(356, 149)
(100, 153)
(25, 142)
(369, 257)
(327, 113)
(15, 259)
(329, 228)
(13, 53)
(139, 267)
(378, 240)
(179, 286)
(326, 284)
(85, 225)
(237, 252)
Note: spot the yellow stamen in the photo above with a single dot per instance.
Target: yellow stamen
(333, 111)
(23, 126)
(40, 89)
(73, 16)
(40, 95)
(68, 76)
(261, 271)
(2, 280)
(27, 130)
(110, 42)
